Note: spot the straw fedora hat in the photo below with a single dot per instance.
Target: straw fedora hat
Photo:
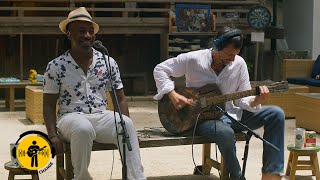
(80, 14)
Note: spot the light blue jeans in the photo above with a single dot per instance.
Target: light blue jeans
(271, 117)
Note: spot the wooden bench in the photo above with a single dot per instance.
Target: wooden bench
(154, 138)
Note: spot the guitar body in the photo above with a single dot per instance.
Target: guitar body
(183, 120)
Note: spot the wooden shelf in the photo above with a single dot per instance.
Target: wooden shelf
(192, 33)
(204, 40)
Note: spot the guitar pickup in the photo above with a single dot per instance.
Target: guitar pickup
(203, 102)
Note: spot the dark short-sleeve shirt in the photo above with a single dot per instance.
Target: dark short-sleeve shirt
(80, 92)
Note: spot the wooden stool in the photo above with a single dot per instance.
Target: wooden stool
(14, 170)
(294, 164)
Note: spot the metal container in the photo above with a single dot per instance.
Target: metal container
(14, 161)
(299, 137)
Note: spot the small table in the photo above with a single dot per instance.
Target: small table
(15, 170)
(9, 92)
(308, 111)
(295, 164)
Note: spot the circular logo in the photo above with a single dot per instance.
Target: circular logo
(298, 137)
(33, 152)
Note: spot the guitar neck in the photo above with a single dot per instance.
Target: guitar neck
(230, 97)
(273, 88)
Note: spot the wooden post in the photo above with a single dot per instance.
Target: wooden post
(223, 170)
(69, 166)
(289, 164)
(163, 46)
(11, 99)
(256, 62)
(315, 164)
(206, 154)
(7, 94)
(21, 56)
(293, 165)
(60, 164)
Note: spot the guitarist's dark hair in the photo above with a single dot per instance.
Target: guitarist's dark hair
(227, 36)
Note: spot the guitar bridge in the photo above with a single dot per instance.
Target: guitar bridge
(203, 102)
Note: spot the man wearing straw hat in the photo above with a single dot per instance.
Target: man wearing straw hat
(78, 80)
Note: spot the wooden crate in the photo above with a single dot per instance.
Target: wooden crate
(297, 68)
(287, 100)
(34, 104)
(34, 101)
(308, 111)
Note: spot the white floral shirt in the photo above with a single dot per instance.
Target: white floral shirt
(80, 92)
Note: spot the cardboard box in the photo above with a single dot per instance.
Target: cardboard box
(310, 139)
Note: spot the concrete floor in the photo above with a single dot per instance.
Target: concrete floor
(170, 163)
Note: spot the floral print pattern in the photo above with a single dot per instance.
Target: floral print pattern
(80, 92)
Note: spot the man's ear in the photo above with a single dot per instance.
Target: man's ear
(68, 34)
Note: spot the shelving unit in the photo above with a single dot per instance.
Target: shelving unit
(180, 42)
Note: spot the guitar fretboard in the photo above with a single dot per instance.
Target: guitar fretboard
(230, 97)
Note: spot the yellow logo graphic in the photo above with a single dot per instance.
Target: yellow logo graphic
(33, 152)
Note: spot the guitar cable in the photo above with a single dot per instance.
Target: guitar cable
(193, 135)
(216, 146)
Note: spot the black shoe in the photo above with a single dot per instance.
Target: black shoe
(197, 170)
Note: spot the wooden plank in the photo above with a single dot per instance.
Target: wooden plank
(231, 10)
(37, 30)
(304, 162)
(21, 84)
(95, 9)
(228, 21)
(214, 164)
(249, 2)
(100, 20)
(304, 168)
(161, 139)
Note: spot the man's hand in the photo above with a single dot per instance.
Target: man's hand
(262, 98)
(58, 144)
(178, 100)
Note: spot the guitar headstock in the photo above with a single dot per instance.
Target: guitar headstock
(278, 87)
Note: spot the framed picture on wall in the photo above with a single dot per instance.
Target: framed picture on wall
(192, 18)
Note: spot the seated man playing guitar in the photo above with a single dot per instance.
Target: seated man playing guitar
(222, 66)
